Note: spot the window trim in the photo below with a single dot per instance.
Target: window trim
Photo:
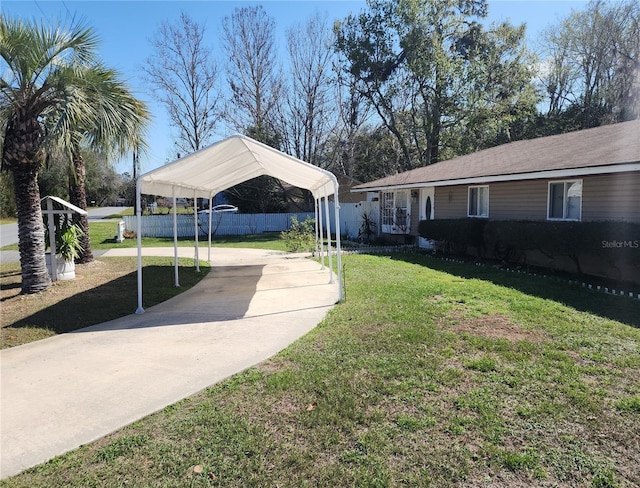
(477, 216)
(565, 183)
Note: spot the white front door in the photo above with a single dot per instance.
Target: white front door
(427, 197)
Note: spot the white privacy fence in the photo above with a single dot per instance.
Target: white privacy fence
(222, 224)
(352, 216)
(234, 224)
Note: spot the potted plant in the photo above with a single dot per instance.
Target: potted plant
(68, 248)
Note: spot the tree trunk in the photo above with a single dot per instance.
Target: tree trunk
(35, 277)
(78, 196)
(22, 156)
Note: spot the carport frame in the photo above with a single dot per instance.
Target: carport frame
(261, 160)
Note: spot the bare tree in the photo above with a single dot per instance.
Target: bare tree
(311, 112)
(184, 77)
(354, 110)
(255, 81)
(592, 66)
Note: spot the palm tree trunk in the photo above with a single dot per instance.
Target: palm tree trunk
(35, 277)
(78, 196)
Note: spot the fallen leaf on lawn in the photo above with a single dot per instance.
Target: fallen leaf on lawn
(198, 469)
(310, 407)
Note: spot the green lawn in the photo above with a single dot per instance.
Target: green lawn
(103, 234)
(429, 374)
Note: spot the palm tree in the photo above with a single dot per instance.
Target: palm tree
(114, 124)
(48, 90)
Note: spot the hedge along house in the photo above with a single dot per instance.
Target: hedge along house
(229, 162)
(587, 175)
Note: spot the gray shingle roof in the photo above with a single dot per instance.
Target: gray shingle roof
(601, 146)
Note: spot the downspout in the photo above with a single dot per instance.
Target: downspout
(139, 238)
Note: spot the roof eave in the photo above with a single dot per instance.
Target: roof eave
(534, 175)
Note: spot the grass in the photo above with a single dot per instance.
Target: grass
(429, 374)
(102, 235)
(102, 291)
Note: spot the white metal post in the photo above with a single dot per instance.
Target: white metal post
(315, 209)
(195, 224)
(176, 281)
(328, 222)
(321, 235)
(139, 238)
(210, 213)
(336, 205)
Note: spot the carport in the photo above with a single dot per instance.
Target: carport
(207, 172)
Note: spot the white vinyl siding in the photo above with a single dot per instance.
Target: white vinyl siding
(565, 200)
(395, 212)
(478, 202)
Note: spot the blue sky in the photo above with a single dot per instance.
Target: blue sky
(125, 28)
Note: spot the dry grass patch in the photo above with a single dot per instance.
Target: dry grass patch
(493, 326)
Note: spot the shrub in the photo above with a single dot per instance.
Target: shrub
(301, 236)
(368, 228)
(457, 235)
(615, 243)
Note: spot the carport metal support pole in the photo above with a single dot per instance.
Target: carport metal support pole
(210, 213)
(336, 207)
(321, 235)
(195, 224)
(176, 280)
(139, 237)
(328, 223)
(315, 209)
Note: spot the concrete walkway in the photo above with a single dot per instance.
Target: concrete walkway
(71, 389)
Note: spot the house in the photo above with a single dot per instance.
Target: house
(588, 175)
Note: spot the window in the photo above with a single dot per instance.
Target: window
(565, 200)
(395, 212)
(478, 201)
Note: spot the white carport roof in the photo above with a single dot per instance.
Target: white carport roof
(227, 163)
(232, 161)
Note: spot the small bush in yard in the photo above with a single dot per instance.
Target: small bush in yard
(301, 236)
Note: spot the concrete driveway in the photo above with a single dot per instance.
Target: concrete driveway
(69, 390)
